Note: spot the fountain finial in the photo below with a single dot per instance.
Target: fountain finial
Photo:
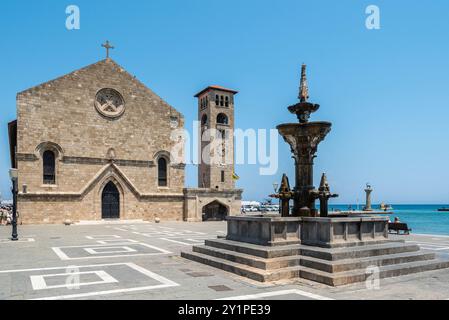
(284, 194)
(303, 88)
(323, 194)
(303, 109)
(324, 185)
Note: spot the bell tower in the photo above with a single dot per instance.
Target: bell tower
(216, 135)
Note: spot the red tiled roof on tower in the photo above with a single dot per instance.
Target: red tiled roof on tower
(216, 88)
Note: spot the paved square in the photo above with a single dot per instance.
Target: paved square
(187, 241)
(292, 294)
(142, 261)
(107, 251)
(8, 240)
(435, 245)
(39, 281)
(110, 279)
(112, 241)
(103, 237)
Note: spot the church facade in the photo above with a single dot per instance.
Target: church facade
(96, 144)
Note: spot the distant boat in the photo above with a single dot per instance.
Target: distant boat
(444, 209)
(385, 207)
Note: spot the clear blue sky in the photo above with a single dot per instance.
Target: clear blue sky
(386, 91)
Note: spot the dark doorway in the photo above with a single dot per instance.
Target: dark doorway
(110, 202)
(214, 211)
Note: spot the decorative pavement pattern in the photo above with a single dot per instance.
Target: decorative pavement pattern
(142, 261)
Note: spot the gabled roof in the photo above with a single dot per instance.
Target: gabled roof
(68, 75)
(215, 87)
(107, 63)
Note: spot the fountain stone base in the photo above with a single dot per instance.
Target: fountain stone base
(266, 230)
(334, 250)
(333, 232)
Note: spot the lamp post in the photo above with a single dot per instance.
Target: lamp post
(275, 187)
(14, 175)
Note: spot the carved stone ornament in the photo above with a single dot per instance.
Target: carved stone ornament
(109, 103)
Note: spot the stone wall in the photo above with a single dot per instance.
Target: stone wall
(85, 204)
(43, 211)
(197, 198)
(61, 116)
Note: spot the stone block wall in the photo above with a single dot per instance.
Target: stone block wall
(197, 198)
(61, 116)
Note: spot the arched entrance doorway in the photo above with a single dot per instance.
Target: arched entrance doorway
(110, 202)
(214, 211)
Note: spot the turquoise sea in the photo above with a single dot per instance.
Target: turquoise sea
(420, 218)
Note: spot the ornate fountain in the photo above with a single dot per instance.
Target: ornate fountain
(303, 138)
(334, 249)
(318, 229)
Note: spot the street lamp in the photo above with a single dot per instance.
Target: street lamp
(275, 187)
(14, 175)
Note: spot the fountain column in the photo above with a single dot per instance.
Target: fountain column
(304, 205)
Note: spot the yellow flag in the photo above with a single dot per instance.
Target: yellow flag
(235, 176)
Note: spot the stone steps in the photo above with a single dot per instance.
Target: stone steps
(331, 266)
(244, 270)
(266, 252)
(341, 266)
(360, 275)
(335, 254)
(363, 263)
(249, 260)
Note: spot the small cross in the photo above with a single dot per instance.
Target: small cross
(107, 46)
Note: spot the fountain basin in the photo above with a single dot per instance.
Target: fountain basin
(329, 232)
(316, 128)
(332, 232)
(303, 110)
(266, 230)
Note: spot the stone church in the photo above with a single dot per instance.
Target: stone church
(96, 144)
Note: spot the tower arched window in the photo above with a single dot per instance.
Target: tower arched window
(221, 101)
(217, 100)
(162, 172)
(204, 120)
(49, 167)
(222, 119)
(226, 101)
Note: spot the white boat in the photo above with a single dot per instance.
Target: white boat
(385, 207)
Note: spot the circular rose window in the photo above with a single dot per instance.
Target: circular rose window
(109, 103)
